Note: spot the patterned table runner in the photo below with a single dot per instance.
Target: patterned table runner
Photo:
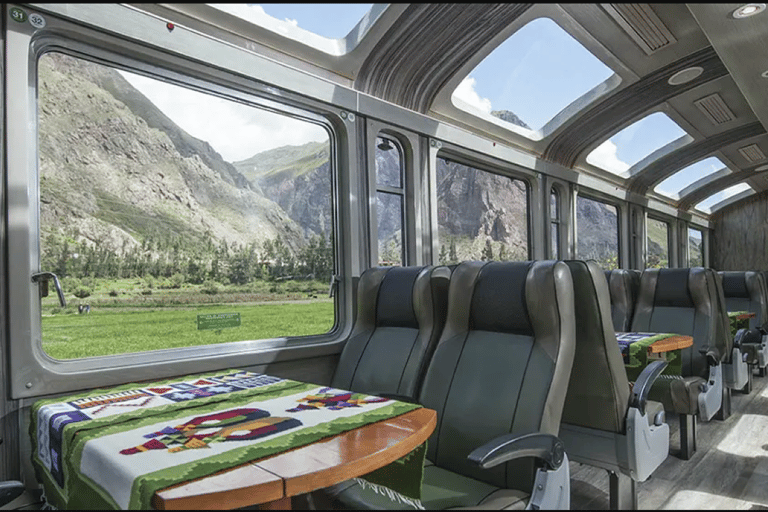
(634, 349)
(115, 448)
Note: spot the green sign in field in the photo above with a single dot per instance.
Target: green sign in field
(218, 321)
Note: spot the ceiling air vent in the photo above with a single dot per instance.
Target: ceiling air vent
(752, 153)
(642, 25)
(714, 108)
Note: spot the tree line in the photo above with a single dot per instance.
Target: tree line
(197, 260)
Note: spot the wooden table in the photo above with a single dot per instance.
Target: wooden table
(274, 480)
(659, 347)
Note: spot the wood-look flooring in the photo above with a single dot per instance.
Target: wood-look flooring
(728, 471)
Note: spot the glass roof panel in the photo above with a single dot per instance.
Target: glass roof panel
(635, 142)
(533, 75)
(331, 21)
(707, 204)
(672, 186)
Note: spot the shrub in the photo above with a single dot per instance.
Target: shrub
(113, 293)
(210, 287)
(146, 291)
(83, 292)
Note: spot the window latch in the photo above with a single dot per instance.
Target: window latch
(43, 278)
(334, 279)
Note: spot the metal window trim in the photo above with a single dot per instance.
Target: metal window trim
(37, 373)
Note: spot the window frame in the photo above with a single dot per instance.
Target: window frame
(669, 223)
(688, 244)
(594, 197)
(42, 374)
(459, 156)
(401, 191)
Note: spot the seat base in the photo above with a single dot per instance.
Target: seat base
(687, 436)
(623, 492)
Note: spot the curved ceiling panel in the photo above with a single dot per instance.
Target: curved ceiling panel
(669, 164)
(610, 115)
(701, 193)
(419, 54)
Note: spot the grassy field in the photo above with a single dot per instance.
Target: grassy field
(133, 321)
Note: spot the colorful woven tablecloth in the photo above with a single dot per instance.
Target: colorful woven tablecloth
(114, 448)
(634, 349)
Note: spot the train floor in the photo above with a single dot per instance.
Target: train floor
(729, 470)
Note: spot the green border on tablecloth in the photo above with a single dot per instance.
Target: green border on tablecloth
(84, 493)
(638, 357)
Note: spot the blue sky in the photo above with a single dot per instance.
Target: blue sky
(536, 73)
(541, 69)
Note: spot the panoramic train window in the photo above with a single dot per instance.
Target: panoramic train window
(390, 202)
(328, 21)
(658, 244)
(635, 142)
(695, 248)
(672, 186)
(176, 218)
(532, 76)
(480, 215)
(597, 226)
(712, 201)
(554, 223)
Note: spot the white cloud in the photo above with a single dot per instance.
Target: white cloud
(605, 157)
(234, 130)
(466, 93)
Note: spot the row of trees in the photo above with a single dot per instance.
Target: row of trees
(197, 261)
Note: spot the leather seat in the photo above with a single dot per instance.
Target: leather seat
(687, 301)
(623, 286)
(603, 421)
(400, 315)
(746, 291)
(498, 381)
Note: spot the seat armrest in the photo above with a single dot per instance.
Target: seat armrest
(643, 384)
(395, 396)
(9, 491)
(546, 447)
(712, 355)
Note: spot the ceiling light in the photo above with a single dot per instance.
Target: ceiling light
(685, 75)
(748, 10)
(764, 74)
(762, 168)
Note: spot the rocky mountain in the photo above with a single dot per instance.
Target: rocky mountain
(598, 228)
(114, 170)
(478, 210)
(510, 117)
(298, 179)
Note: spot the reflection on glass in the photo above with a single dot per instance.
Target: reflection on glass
(481, 215)
(389, 170)
(597, 232)
(390, 228)
(555, 235)
(709, 203)
(533, 75)
(672, 186)
(658, 244)
(695, 248)
(635, 142)
(159, 204)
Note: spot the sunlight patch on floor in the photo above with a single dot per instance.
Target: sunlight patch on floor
(698, 500)
(747, 437)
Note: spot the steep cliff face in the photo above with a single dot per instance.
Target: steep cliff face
(475, 207)
(298, 179)
(115, 170)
